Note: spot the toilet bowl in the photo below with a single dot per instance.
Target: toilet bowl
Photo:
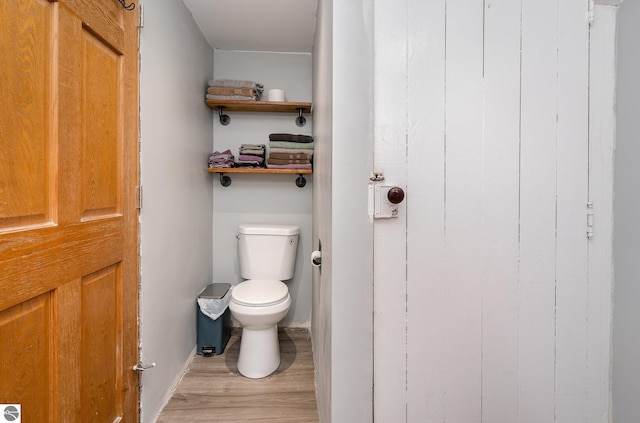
(267, 257)
(259, 305)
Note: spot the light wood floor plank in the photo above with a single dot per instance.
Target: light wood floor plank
(212, 390)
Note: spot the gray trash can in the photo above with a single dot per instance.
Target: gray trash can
(214, 319)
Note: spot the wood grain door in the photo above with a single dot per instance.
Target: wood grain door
(68, 216)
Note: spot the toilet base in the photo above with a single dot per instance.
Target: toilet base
(259, 352)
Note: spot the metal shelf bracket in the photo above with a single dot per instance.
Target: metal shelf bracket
(224, 119)
(225, 180)
(300, 120)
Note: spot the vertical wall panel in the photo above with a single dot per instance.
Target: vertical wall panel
(571, 244)
(427, 311)
(602, 132)
(500, 210)
(463, 175)
(537, 211)
(390, 105)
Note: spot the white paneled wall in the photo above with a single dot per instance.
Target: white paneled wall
(500, 295)
(484, 307)
(390, 108)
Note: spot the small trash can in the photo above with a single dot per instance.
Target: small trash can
(214, 319)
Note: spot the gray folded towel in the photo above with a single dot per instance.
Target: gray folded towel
(230, 97)
(290, 137)
(236, 83)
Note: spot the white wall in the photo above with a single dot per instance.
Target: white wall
(351, 231)
(263, 198)
(626, 335)
(343, 301)
(176, 245)
(321, 323)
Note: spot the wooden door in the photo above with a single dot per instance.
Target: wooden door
(68, 217)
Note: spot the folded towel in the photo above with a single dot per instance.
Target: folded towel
(250, 158)
(271, 161)
(289, 166)
(232, 91)
(253, 146)
(226, 154)
(236, 83)
(258, 149)
(221, 159)
(290, 137)
(289, 156)
(260, 153)
(250, 164)
(230, 97)
(291, 144)
(254, 153)
(290, 150)
(225, 165)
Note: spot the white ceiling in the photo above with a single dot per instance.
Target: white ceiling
(256, 25)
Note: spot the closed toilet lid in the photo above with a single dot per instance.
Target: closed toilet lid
(259, 292)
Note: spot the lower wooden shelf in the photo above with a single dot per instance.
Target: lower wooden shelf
(225, 180)
(257, 170)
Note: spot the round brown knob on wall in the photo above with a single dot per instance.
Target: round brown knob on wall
(395, 195)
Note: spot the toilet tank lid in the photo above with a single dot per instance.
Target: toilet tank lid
(260, 229)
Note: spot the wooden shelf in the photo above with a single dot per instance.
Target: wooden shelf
(223, 106)
(225, 180)
(259, 106)
(257, 170)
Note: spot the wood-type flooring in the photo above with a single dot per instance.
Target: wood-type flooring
(213, 391)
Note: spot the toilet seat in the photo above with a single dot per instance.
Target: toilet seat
(259, 293)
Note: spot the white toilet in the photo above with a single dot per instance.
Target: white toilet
(267, 257)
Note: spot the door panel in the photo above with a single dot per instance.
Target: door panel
(100, 344)
(25, 362)
(100, 127)
(68, 219)
(26, 110)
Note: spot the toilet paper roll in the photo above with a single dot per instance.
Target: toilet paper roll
(316, 258)
(276, 95)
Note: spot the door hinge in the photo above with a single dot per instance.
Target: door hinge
(140, 15)
(589, 220)
(139, 197)
(591, 11)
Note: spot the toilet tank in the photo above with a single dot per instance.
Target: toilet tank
(267, 251)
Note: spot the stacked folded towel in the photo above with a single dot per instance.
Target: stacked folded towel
(251, 155)
(290, 151)
(224, 159)
(234, 89)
